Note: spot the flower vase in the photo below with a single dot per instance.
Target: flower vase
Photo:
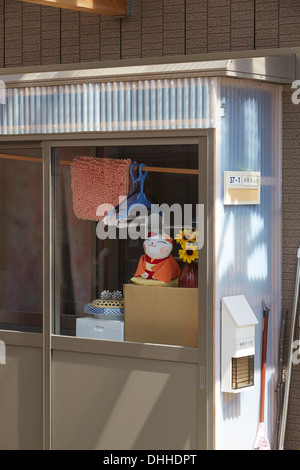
(188, 276)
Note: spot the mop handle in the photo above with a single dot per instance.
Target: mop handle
(264, 362)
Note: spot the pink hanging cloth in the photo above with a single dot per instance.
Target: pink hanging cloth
(98, 183)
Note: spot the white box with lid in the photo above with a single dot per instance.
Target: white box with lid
(101, 328)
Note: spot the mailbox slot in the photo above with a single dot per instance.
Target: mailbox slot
(238, 344)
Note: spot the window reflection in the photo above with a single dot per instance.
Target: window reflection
(86, 265)
(21, 248)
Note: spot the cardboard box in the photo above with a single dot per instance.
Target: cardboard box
(161, 315)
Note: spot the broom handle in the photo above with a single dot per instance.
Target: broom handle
(279, 387)
(290, 354)
(263, 364)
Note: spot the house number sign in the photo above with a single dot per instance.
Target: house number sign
(241, 187)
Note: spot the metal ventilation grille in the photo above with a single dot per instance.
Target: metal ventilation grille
(242, 372)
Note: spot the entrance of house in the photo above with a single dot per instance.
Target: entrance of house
(65, 386)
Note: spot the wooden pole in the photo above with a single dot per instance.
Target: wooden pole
(157, 169)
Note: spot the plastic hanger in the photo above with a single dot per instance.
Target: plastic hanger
(137, 198)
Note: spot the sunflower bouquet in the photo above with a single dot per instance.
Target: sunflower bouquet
(187, 239)
(188, 253)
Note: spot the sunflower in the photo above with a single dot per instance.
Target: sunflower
(188, 253)
(187, 238)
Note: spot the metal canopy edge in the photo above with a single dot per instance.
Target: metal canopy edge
(276, 69)
(280, 69)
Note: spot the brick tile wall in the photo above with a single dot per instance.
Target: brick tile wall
(131, 32)
(266, 24)
(173, 27)
(13, 12)
(196, 26)
(50, 35)
(152, 28)
(110, 38)
(289, 23)
(291, 241)
(33, 35)
(31, 28)
(242, 25)
(89, 44)
(218, 25)
(2, 14)
(70, 31)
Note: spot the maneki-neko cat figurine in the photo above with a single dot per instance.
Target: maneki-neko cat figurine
(157, 263)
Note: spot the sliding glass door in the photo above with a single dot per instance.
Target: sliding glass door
(21, 296)
(74, 379)
(21, 239)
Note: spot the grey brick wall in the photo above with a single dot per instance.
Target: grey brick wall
(242, 25)
(34, 35)
(289, 22)
(151, 41)
(50, 35)
(291, 241)
(196, 26)
(13, 33)
(218, 25)
(2, 7)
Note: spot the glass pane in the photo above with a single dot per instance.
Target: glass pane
(94, 268)
(21, 242)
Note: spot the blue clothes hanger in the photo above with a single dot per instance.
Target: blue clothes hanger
(135, 199)
(138, 177)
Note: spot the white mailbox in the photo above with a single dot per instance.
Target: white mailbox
(238, 344)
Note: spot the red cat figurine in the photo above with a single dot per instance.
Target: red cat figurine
(157, 262)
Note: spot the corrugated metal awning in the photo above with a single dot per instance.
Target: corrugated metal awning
(168, 93)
